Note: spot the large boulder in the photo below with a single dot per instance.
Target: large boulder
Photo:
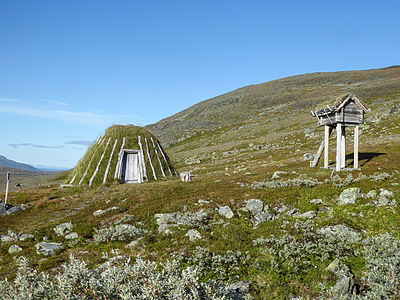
(345, 286)
(15, 249)
(226, 212)
(47, 249)
(254, 206)
(63, 228)
(193, 235)
(349, 196)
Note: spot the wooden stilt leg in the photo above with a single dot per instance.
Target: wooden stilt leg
(326, 153)
(338, 145)
(356, 147)
(343, 149)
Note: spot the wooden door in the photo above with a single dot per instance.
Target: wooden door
(132, 168)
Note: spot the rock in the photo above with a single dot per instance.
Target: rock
(349, 196)
(226, 212)
(292, 212)
(371, 194)
(254, 206)
(2, 209)
(15, 249)
(72, 236)
(345, 286)
(168, 220)
(242, 287)
(101, 211)
(47, 249)
(13, 209)
(11, 236)
(63, 228)
(25, 237)
(277, 174)
(262, 217)
(307, 156)
(134, 243)
(340, 231)
(385, 193)
(308, 215)
(201, 201)
(316, 201)
(193, 235)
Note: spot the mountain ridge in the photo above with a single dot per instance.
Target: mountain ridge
(8, 163)
(293, 92)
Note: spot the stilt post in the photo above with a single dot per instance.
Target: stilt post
(326, 152)
(343, 149)
(356, 147)
(338, 145)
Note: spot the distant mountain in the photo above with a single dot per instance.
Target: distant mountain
(8, 163)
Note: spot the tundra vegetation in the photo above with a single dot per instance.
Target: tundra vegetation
(255, 222)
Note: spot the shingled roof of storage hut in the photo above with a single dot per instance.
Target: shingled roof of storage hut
(100, 163)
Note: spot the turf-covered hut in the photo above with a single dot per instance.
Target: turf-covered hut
(129, 154)
(347, 111)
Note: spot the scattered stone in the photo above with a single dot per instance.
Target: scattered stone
(72, 236)
(125, 219)
(242, 287)
(308, 156)
(345, 286)
(316, 201)
(134, 243)
(277, 174)
(63, 228)
(349, 196)
(193, 235)
(7, 209)
(13, 209)
(25, 237)
(201, 201)
(371, 194)
(308, 215)
(340, 231)
(101, 211)
(15, 249)
(254, 206)
(47, 249)
(11, 236)
(294, 212)
(226, 212)
(385, 193)
(262, 217)
(168, 220)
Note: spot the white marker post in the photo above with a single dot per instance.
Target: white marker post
(8, 181)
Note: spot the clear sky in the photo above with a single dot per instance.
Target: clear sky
(69, 69)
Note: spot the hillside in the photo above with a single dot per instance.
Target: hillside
(8, 163)
(256, 221)
(293, 94)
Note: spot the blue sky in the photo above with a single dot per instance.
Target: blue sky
(69, 69)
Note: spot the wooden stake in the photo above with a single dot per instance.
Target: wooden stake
(158, 157)
(338, 145)
(343, 150)
(109, 162)
(148, 154)
(356, 147)
(8, 181)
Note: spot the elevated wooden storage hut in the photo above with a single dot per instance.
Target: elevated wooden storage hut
(347, 111)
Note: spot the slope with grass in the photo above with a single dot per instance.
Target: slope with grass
(274, 247)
